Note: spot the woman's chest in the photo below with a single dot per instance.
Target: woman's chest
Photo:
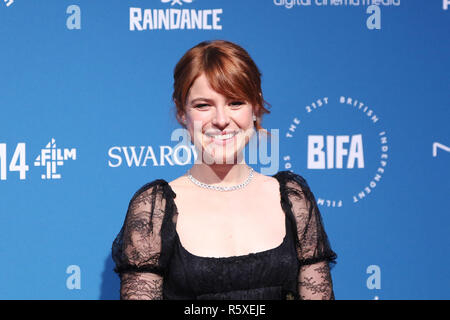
(270, 272)
(225, 225)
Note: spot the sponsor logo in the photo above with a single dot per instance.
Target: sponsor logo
(143, 156)
(289, 4)
(52, 157)
(175, 19)
(343, 142)
(49, 157)
(180, 2)
(262, 150)
(373, 22)
(8, 2)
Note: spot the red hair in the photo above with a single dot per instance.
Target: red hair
(230, 71)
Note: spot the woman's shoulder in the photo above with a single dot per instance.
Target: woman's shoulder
(290, 176)
(293, 184)
(152, 188)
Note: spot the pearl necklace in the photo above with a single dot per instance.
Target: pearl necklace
(220, 188)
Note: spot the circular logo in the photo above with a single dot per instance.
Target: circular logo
(340, 144)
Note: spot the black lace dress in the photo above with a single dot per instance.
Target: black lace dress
(152, 263)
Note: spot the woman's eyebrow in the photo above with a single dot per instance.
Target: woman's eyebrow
(209, 100)
(201, 99)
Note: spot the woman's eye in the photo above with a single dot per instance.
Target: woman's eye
(201, 105)
(236, 103)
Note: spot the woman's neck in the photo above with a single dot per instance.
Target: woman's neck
(221, 174)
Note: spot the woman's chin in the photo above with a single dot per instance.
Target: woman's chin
(219, 157)
(213, 154)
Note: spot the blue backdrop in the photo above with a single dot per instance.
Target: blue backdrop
(360, 98)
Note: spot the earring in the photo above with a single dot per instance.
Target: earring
(254, 117)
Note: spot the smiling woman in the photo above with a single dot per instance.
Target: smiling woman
(217, 84)
(229, 71)
(223, 230)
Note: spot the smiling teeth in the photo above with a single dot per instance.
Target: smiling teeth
(223, 137)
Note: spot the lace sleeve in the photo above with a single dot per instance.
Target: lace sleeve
(137, 248)
(313, 248)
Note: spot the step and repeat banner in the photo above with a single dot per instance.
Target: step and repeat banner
(359, 106)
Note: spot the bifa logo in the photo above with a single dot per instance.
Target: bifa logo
(49, 157)
(445, 4)
(328, 152)
(175, 19)
(342, 140)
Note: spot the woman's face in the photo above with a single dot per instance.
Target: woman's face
(220, 127)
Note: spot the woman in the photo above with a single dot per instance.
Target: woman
(222, 230)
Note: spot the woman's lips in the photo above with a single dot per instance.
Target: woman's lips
(222, 141)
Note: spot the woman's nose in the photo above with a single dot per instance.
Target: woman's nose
(221, 118)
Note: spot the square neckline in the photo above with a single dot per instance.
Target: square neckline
(234, 257)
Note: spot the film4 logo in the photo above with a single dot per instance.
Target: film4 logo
(50, 158)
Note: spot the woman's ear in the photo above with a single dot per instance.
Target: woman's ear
(181, 118)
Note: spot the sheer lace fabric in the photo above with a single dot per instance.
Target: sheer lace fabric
(152, 264)
(313, 247)
(137, 248)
